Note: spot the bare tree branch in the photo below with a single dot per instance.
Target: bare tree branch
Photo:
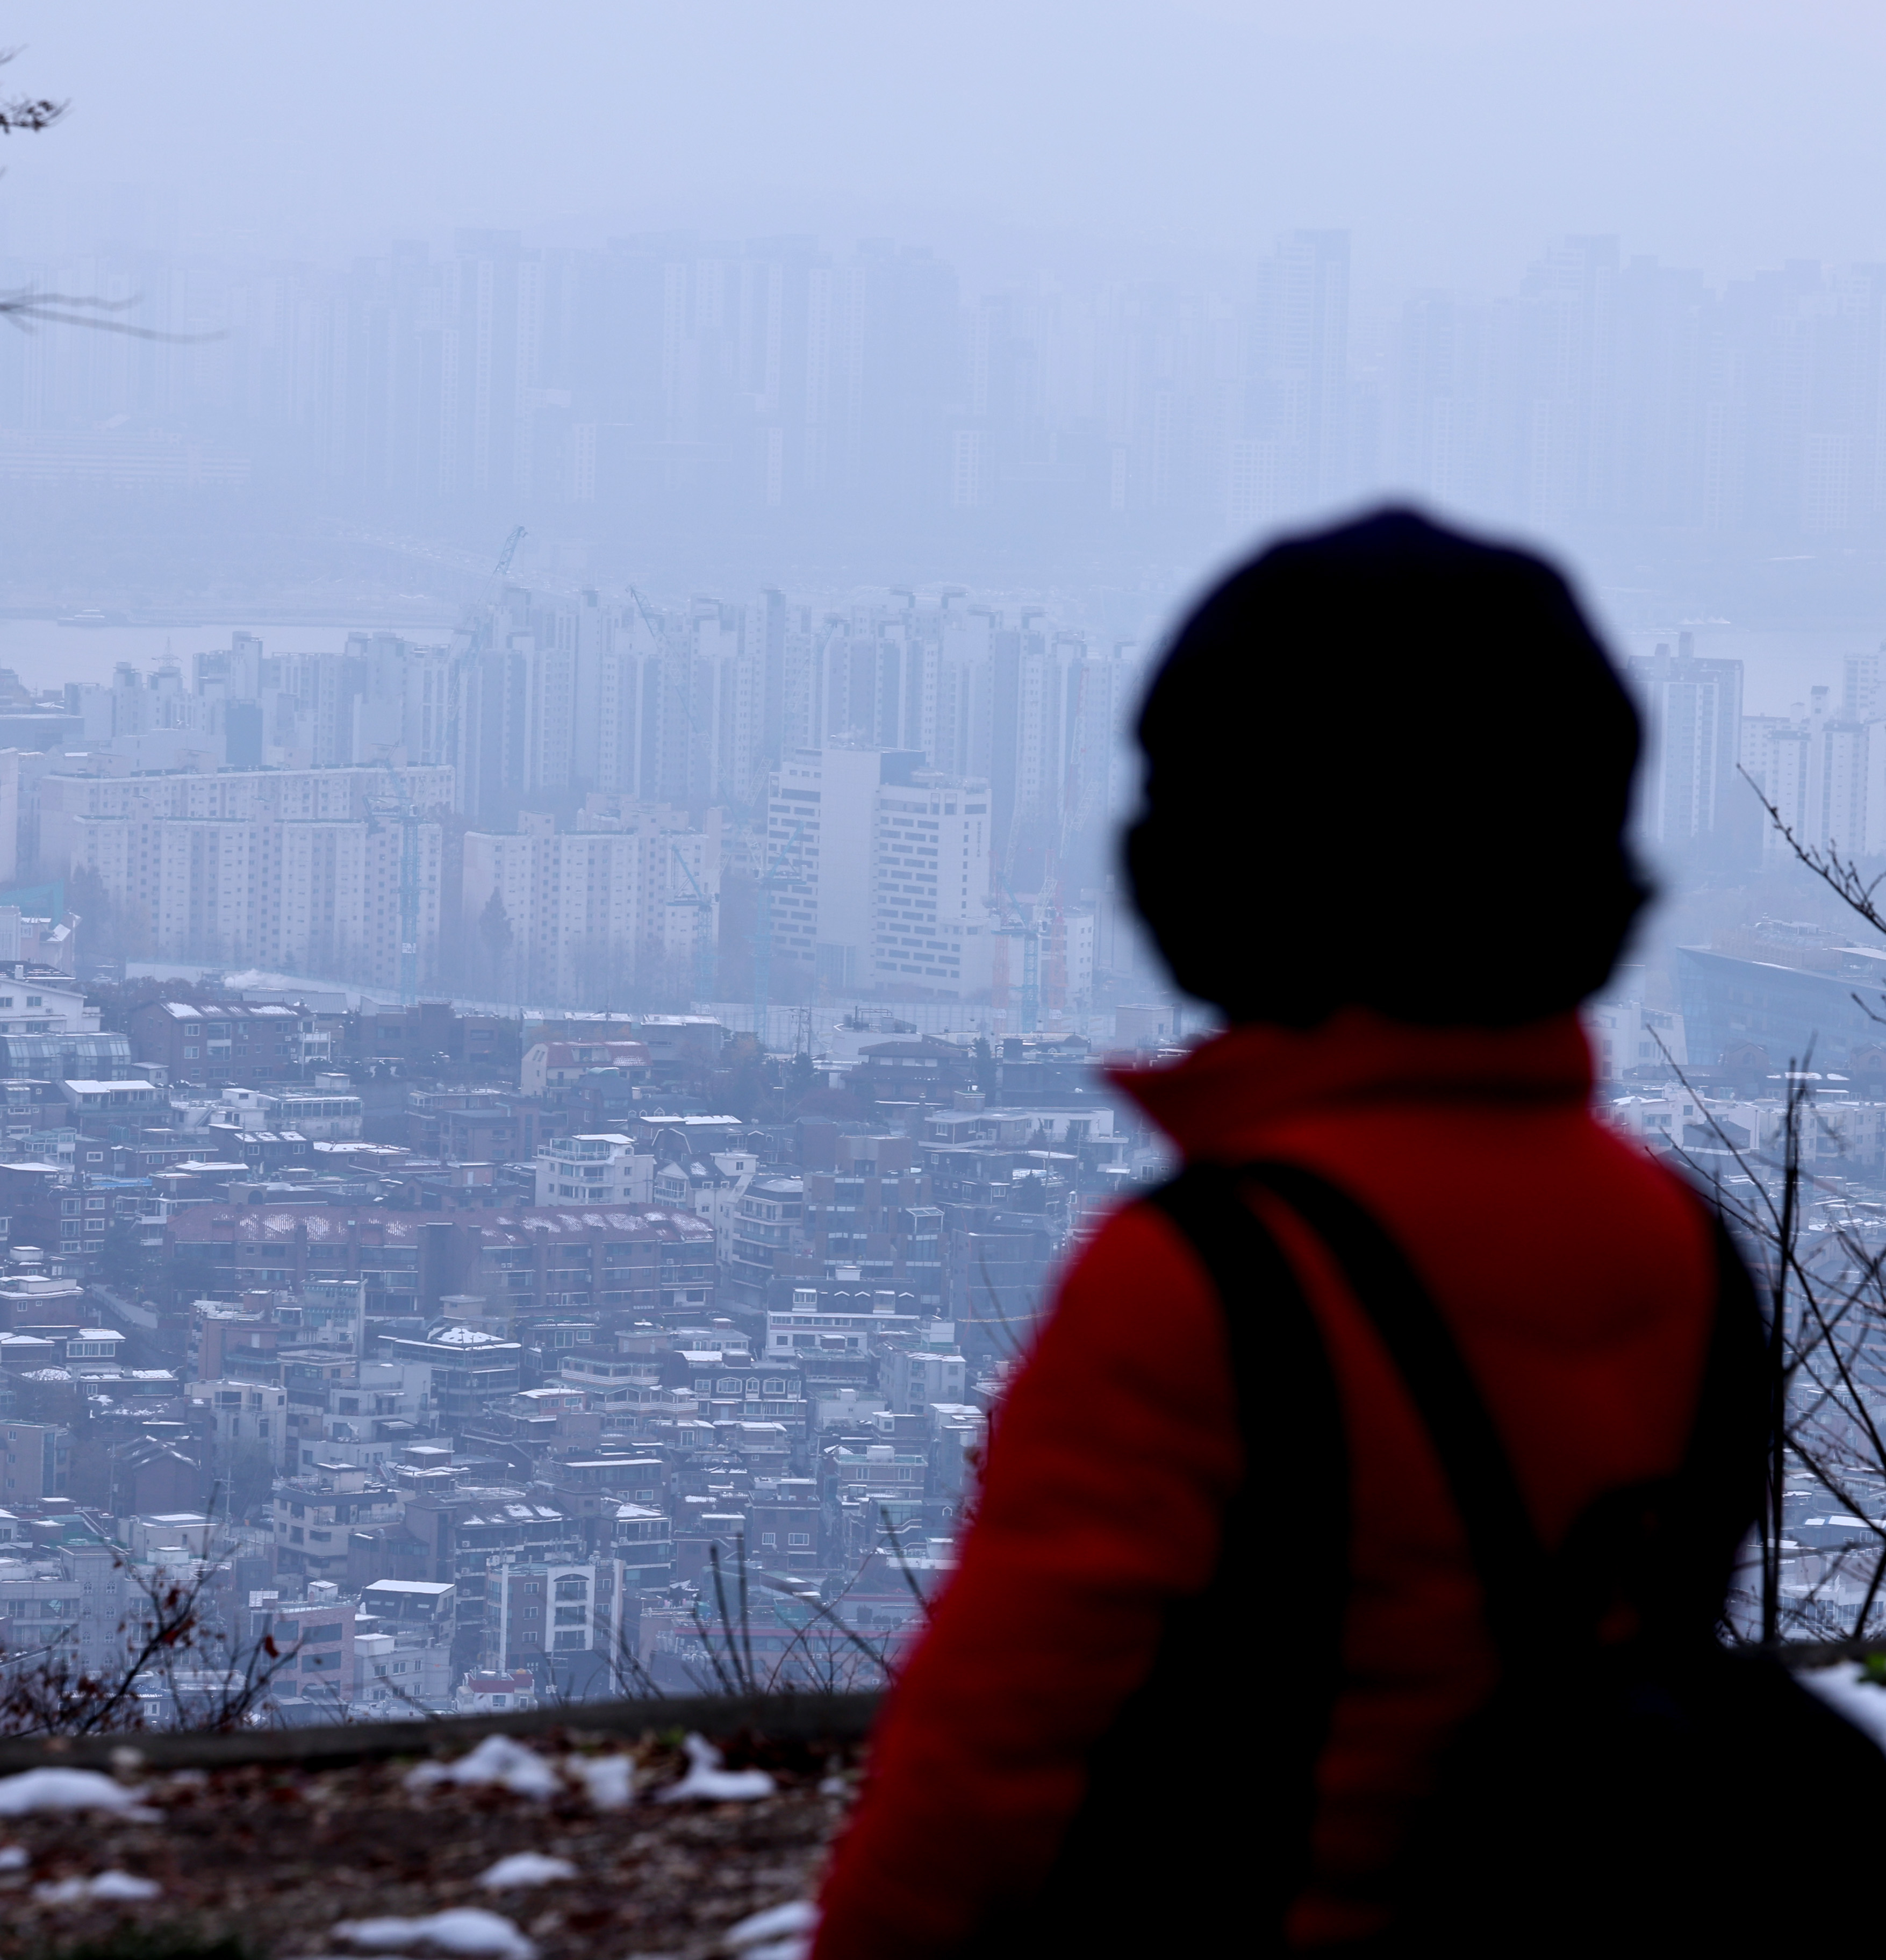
(1841, 876)
(28, 115)
(26, 309)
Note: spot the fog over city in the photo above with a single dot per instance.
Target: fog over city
(575, 587)
(830, 379)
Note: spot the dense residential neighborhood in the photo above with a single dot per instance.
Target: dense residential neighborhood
(461, 1355)
(465, 1355)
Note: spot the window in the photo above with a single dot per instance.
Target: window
(798, 1538)
(769, 1538)
(571, 1616)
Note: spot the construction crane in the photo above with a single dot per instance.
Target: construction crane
(656, 635)
(1017, 924)
(483, 609)
(1074, 787)
(768, 881)
(477, 630)
(397, 807)
(704, 907)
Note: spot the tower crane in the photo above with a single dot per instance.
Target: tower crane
(483, 609)
(1074, 788)
(768, 881)
(704, 907)
(396, 806)
(477, 629)
(1017, 924)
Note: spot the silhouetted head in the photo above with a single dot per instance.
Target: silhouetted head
(1388, 766)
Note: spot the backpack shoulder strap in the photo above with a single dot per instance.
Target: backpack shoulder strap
(1512, 1564)
(1249, 1625)
(1277, 1350)
(1698, 1517)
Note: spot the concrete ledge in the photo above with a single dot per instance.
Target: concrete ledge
(836, 1718)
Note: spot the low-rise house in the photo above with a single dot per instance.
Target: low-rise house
(765, 1236)
(486, 1691)
(641, 1540)
(228, 1042)
(550, 1065)
(246, 1412)
(600, 1169)
(711, 1188)
(563, 1614)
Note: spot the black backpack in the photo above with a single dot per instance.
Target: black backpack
(1632, 1786)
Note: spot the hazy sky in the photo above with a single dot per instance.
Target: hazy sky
(1454, 136)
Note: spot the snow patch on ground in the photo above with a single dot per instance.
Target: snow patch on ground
(781, 1933)
(466, 1929)
(706, 1781)
(64, 1789)
(105, 1886)
(526, 1868)
(1845, 1688)
(496, 1760)
(610, 1780)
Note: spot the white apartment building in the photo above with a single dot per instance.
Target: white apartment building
(817, 863)
(599, 1170)
(293, 868)
(590, 909)
(323, 1114)
(305, 795)
(881, 870)
(1824, 770)
(711, 1188)
(535, 1610)
(1626, 1034)
(246, 1412)
(930, 923)
(933, 1371)
(32, 1007)
(1694, 713)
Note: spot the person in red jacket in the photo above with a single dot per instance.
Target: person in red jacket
(1388, 775)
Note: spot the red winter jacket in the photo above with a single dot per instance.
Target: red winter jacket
(1577, 1277)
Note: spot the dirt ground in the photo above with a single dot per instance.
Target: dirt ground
(268, 1861)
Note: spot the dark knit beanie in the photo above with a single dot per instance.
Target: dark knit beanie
(1388, 766)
